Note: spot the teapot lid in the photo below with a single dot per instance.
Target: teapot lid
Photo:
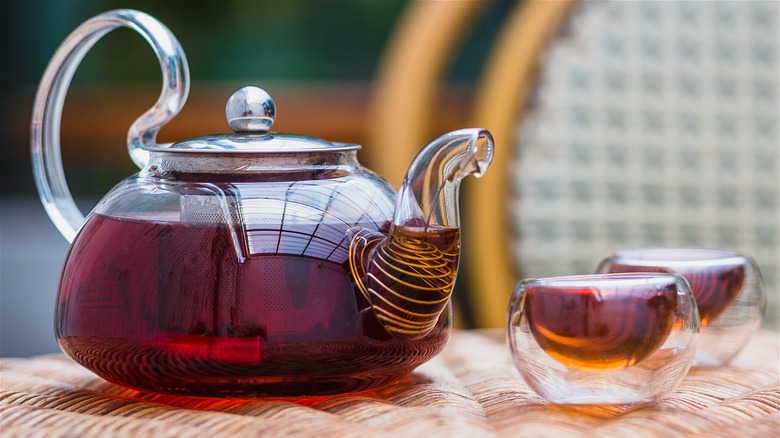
(250, 112)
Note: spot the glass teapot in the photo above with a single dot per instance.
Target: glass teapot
(252, 263)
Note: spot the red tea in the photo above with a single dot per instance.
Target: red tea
(606, 328)
(202, 309)
(715, 286)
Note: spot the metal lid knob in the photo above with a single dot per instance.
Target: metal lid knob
(250, 112)
(250, 109)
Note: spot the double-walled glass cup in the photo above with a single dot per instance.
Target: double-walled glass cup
(603, 338)
(727, 286)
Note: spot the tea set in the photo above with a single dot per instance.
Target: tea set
(256, 263)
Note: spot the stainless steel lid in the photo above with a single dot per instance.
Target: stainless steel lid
(251, 112)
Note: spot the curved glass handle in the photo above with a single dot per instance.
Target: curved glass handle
(47, 110)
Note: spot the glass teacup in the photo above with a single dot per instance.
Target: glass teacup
(727, 286)
(603, 338)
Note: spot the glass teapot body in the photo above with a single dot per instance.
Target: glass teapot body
(250, 263)
(234, 283)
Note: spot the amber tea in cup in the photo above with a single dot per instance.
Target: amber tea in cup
(727, 287)
(605, 339)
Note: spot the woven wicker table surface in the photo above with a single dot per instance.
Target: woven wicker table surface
(470, 390)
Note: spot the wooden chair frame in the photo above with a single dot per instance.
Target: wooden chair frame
(503, 89)
(405, 103)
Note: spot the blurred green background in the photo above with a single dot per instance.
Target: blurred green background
(228, 43)
(318, 58)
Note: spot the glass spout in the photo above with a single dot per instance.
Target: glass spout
(408, 275)
(429, 192)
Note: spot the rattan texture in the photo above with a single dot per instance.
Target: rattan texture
(469, 390)
(652, 124)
